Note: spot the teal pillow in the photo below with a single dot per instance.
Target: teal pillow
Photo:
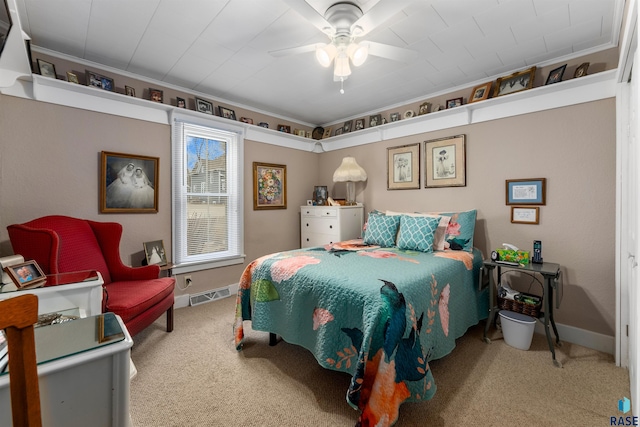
(459, 235)
(417, 233)
(381, 230)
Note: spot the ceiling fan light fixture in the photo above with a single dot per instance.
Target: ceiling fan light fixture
(325, 54)
(358, 53)
(341, 67)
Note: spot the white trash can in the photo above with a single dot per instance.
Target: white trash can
(517, 329)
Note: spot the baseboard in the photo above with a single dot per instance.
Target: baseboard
(181, 301)
(589, 339)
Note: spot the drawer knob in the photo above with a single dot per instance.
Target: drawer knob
(307, 225)
(307, 239)
(331, 226)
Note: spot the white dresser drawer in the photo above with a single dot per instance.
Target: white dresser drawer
(322, 225)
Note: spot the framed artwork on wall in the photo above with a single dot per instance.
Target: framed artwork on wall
(525, 215)
(530, 191)
(128, 183)
(403, 167)
(269, 186)
(446, 162)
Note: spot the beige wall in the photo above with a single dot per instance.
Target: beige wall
(573, 148)
(49, 163)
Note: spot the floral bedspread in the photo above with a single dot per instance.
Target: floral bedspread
(378, 314)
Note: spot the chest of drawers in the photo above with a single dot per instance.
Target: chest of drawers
(321, 225)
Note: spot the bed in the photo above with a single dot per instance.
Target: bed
(378, 310)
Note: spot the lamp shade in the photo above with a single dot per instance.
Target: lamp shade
(325, 54)
(349, 170)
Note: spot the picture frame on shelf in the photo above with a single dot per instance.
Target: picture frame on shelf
(72, 78)
(516, 82)
(408, 114)
(156, 95)
(46, 69)
(525, 215)
(445, 162)
(264, 125)
(423, 109)
(227, 113)
(284, 128)
(269, 186)
(528, 191)
(309, 134)
(327, 132)
(346, 128)
(480, 92)
(338, 132)
(204, 106)
(26, 275)
(181, 102)
(395, 117)
(128, 183)
(375, 120)
(246, 120)
(359, 125)
(129, 91)
(581, 71)
(154, 253)
(555, 75)
(99, 81)
(453, 103)
(403, 167)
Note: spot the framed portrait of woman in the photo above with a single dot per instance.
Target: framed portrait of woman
(128, 183)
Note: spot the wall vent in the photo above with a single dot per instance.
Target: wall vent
(208, 296)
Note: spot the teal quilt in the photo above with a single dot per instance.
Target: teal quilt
(378, 314)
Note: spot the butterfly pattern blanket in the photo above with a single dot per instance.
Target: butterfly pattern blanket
(379, 314)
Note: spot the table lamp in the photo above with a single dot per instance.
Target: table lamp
(350, 172)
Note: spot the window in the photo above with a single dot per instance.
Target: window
(207, 199)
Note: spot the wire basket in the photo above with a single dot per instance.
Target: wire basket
(532, 310)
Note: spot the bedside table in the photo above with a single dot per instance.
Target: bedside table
(322, 225)
(552, 278)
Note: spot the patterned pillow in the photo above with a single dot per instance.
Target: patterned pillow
(438, 237)
(417, 232)
(460, 231)
(381, 230)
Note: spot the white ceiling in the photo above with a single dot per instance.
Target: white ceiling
(221, 47)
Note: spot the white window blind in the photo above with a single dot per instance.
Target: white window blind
(207, 199)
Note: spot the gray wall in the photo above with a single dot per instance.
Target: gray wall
(49, 164)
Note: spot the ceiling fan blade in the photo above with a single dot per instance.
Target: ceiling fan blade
(391, 52)
(294, 50)
(310, 14)
(378, 14)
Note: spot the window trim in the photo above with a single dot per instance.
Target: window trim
(178, 177)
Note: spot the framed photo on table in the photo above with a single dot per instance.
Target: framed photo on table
(128, 183)
(531, 191)
(403, 167)
(516, 82)
(269, 186)
(154, 252)
(446, 162)
(26, 275)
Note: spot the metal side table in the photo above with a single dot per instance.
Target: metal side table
(552, 282)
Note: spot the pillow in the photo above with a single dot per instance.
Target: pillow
(416, 232)
(459, 235)
(381, 230)
(438, 238)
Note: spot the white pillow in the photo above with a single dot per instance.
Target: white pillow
(441, 231)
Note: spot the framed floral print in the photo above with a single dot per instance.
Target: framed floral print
(269, 186)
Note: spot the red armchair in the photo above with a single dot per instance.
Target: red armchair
(61, 244)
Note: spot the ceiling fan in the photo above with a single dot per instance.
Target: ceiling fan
(343, 23)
